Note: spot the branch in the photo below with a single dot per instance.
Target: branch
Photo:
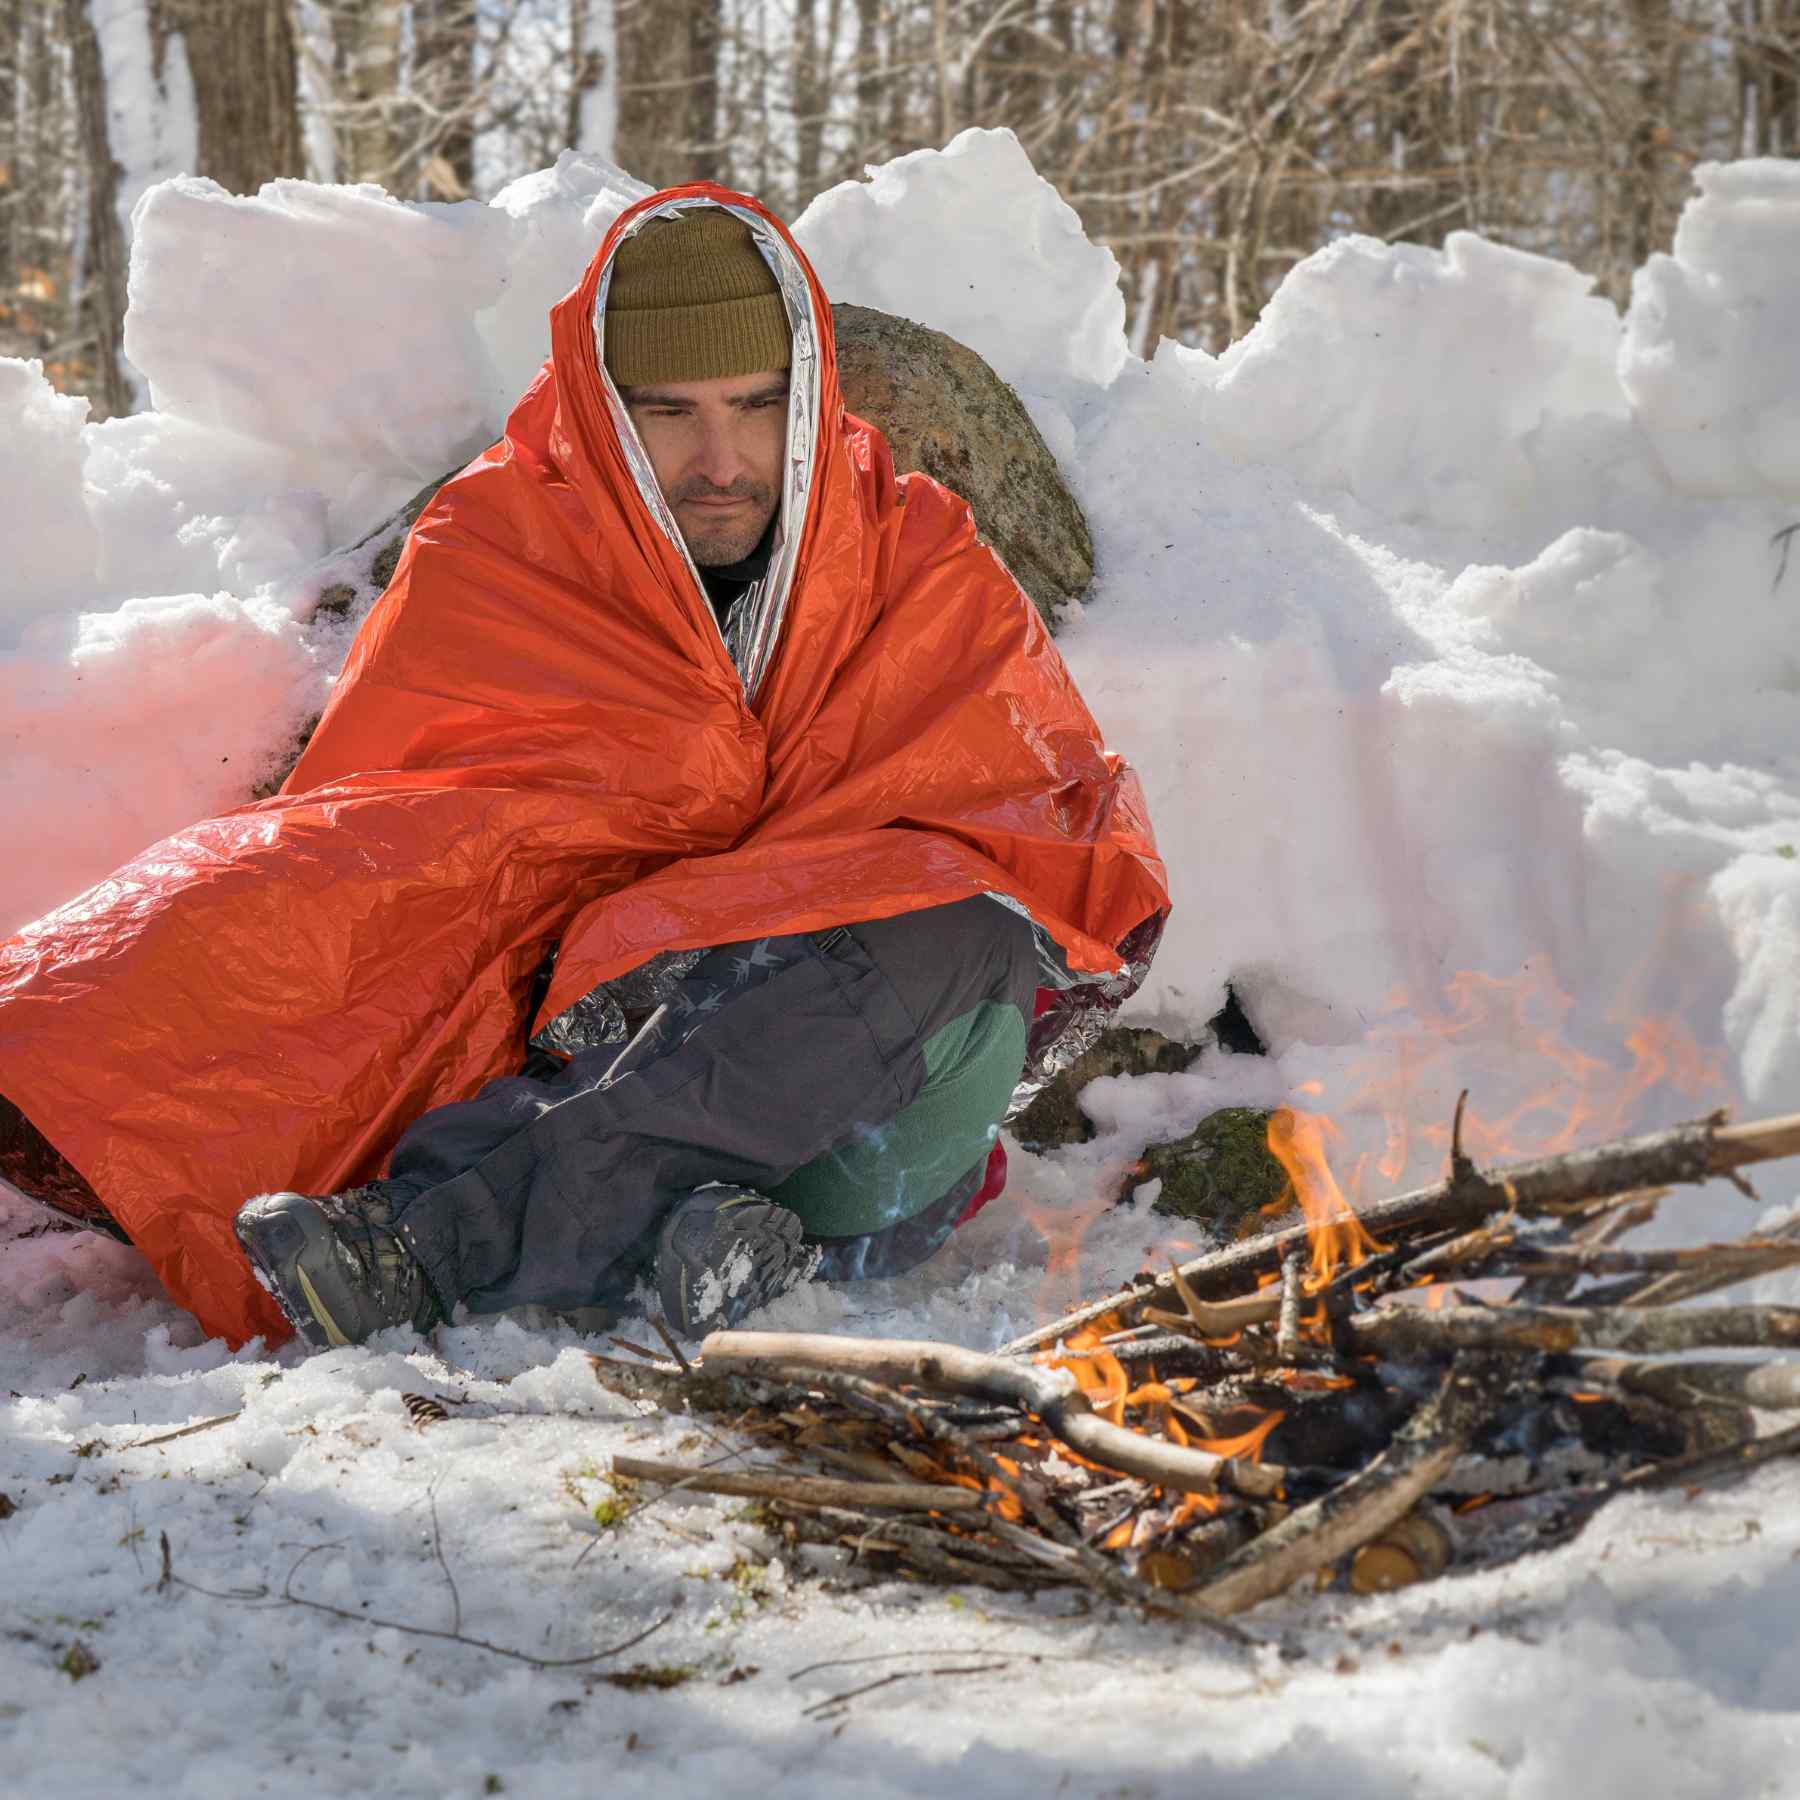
(1051, 1394)
(1687, 1153)
(803, 1490)
(1553, 1330)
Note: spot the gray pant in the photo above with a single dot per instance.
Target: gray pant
(771, 1059)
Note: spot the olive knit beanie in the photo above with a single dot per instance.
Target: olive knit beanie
(691, 299)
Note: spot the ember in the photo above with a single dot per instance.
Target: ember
(1315, 1402)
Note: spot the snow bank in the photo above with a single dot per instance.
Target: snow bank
(1421, 381)
(52, 545)
(340, 321)
(1008, 270)
(1709, 355)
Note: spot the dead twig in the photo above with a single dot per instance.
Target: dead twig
(1774, 1386)
(823, 1709)
(660, 1326)
(287, 1597)
(168, 1437)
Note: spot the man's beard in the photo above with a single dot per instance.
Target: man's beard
(730, 538)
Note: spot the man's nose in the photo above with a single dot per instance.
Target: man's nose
(720, 460)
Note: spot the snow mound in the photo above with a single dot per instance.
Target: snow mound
(1711, 356)
(1008, 271)
(52, 547)
(1419, 377)
(339, 321)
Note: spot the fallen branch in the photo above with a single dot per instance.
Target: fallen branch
(1311, 1536)
(1554, 1330)
(1050, 1394)
(806, 1490)
(1686, 1153)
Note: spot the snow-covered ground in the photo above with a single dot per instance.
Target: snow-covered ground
(1450, 619)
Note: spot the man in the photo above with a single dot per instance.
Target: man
(685, 739)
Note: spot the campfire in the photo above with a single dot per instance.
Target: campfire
(1327, 1402)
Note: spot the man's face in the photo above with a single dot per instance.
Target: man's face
(717, 449)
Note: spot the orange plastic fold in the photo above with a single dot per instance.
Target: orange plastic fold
(539, 738)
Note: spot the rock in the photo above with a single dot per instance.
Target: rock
(1055, 1116)
(379, 556)
(947, 414)
(1221, 1175)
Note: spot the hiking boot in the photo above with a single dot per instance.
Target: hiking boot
(723, 1252)
(336, 1265)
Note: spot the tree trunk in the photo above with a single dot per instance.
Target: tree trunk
(1652, 26)
(870, 138)
(246, 86)
(366, 36)
(808, 101)
(708, 156)
(104, 296)
(650, 40)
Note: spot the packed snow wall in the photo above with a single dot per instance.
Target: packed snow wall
(1449, 616)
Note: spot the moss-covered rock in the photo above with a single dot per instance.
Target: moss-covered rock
(1220, 1176)
(1055, 1116)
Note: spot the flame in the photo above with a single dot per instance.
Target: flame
(1006, 1501)
(1297, 1142)
(1518, 1022)
(1248, 1444)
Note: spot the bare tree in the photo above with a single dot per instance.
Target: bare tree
(366, 66)
(103, 292)
(246, 86)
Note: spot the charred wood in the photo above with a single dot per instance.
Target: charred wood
(1332, 1526)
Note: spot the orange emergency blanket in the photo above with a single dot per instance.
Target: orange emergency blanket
(540, 738)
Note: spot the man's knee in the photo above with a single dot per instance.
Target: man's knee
(944, 960)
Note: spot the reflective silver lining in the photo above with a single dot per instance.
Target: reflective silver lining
(753, 626)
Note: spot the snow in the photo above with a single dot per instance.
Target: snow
(1448, 619)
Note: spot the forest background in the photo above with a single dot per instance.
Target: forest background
(1211, 144)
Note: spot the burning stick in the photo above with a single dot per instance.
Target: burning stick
(1686, 1153)
(1421, 1454)
(1287, 1332)
(1050, 1394)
